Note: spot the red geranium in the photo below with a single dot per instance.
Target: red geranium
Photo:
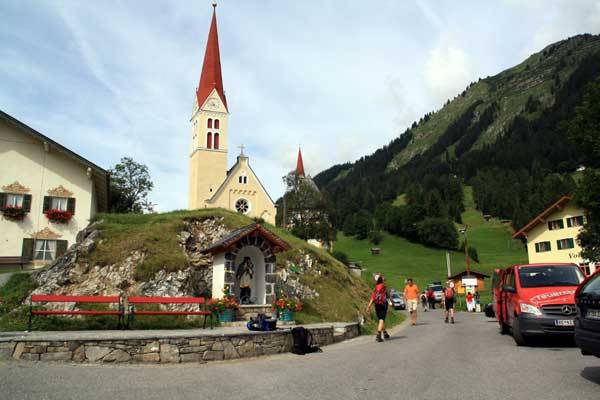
(59, 216)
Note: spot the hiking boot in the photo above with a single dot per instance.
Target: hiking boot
(386, 335)
(446, 320)
(378, 338)
(452, 320)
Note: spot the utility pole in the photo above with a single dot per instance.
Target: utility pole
(467, 261)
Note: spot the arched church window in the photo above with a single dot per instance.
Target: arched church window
(245, 180)
(216, 141)
(209, 123)
(240, 179)
(217, 124)
(242, 206)
(209, 140)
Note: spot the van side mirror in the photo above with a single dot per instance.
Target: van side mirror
(509, 289)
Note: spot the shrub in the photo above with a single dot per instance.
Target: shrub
(438, 232)
(341, 257)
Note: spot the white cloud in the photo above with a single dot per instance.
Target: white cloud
(448, 70)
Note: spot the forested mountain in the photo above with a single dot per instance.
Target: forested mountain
(505, 135)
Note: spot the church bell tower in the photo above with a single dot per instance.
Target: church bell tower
(208, 155)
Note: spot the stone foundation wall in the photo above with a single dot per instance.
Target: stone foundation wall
(168, 350)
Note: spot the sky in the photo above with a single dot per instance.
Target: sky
(110, 79)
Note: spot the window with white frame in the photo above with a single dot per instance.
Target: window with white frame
(44, 250)
(59, 203)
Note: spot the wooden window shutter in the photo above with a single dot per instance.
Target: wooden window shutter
(537, 247)
(47, 203)
(571, 243)
(549, 246)
(27, 251)
(2, 199)
(561, 223)
(27, 203)
(61, 247)
(71, 205)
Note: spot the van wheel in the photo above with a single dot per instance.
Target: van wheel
(520, 340)
(504, 328)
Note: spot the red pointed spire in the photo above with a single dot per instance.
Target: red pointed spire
(211, 69)
(300, 165)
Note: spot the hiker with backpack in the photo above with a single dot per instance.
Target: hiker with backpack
(448, 300)
(411, 294)
(380, 298)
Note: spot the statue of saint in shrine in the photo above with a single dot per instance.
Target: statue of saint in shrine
(245, 273)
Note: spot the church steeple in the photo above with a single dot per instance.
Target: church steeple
(300, 164)
(211, 77)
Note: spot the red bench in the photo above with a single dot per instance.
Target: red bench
(42, 298)
(133, 301)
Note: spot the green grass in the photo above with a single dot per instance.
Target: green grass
(400, 259)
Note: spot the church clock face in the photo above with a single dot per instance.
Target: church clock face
(212, 104)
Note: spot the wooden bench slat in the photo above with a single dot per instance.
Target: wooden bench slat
(166, 300)
(75, 312)
(74, 299)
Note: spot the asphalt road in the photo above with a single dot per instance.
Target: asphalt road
(468, 360)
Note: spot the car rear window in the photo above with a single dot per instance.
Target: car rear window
(437, 288)
(550, 275)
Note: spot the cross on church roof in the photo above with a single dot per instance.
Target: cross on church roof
(241, 147)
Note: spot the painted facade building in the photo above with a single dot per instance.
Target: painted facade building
(552, 235)
(211, 183)
(47, 193)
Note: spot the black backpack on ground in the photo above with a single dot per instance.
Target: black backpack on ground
(303, 341)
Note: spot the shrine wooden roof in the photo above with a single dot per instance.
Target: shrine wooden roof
(254, 230)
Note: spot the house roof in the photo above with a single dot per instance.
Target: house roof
(471, 272)
(100, 176)
(254, 229)
(211, 77)
(541, 218)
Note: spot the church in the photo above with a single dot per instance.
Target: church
(212, 185)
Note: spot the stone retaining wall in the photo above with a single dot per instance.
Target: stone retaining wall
(169, 350)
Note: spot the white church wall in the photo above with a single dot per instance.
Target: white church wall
(218, 276)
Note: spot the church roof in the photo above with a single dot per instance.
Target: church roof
(230, 177)
(211, 77)
(254, 229)
(300, 165)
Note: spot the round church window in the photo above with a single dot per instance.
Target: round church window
(242, 206)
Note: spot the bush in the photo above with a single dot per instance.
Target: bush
(341, 257)
(473, 255)
(438, 232)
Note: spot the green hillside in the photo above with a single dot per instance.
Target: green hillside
(400, 259)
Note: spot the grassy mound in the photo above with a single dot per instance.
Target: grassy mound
(342, 297)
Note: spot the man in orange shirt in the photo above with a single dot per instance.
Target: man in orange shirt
(411, 294)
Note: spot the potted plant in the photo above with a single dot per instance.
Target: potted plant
(224, 307)
(286, 307)
(15, 213)
(59, 216)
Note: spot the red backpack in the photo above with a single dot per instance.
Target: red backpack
(380, 294)
(449, 293)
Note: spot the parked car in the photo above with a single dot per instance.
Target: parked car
(398, 301)
(537, 300)
(438, 291)
(587, 322)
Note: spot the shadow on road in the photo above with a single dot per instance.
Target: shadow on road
(395, 338)
(592, 374)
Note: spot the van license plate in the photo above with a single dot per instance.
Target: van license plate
(563, 322)
(593, 314)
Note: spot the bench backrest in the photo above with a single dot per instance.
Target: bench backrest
(74, 299)
(13, 259)
(166, 300)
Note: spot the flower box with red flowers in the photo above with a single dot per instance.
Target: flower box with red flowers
(59, 216)
(284, 303)
(217, 306)
(15, 213)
